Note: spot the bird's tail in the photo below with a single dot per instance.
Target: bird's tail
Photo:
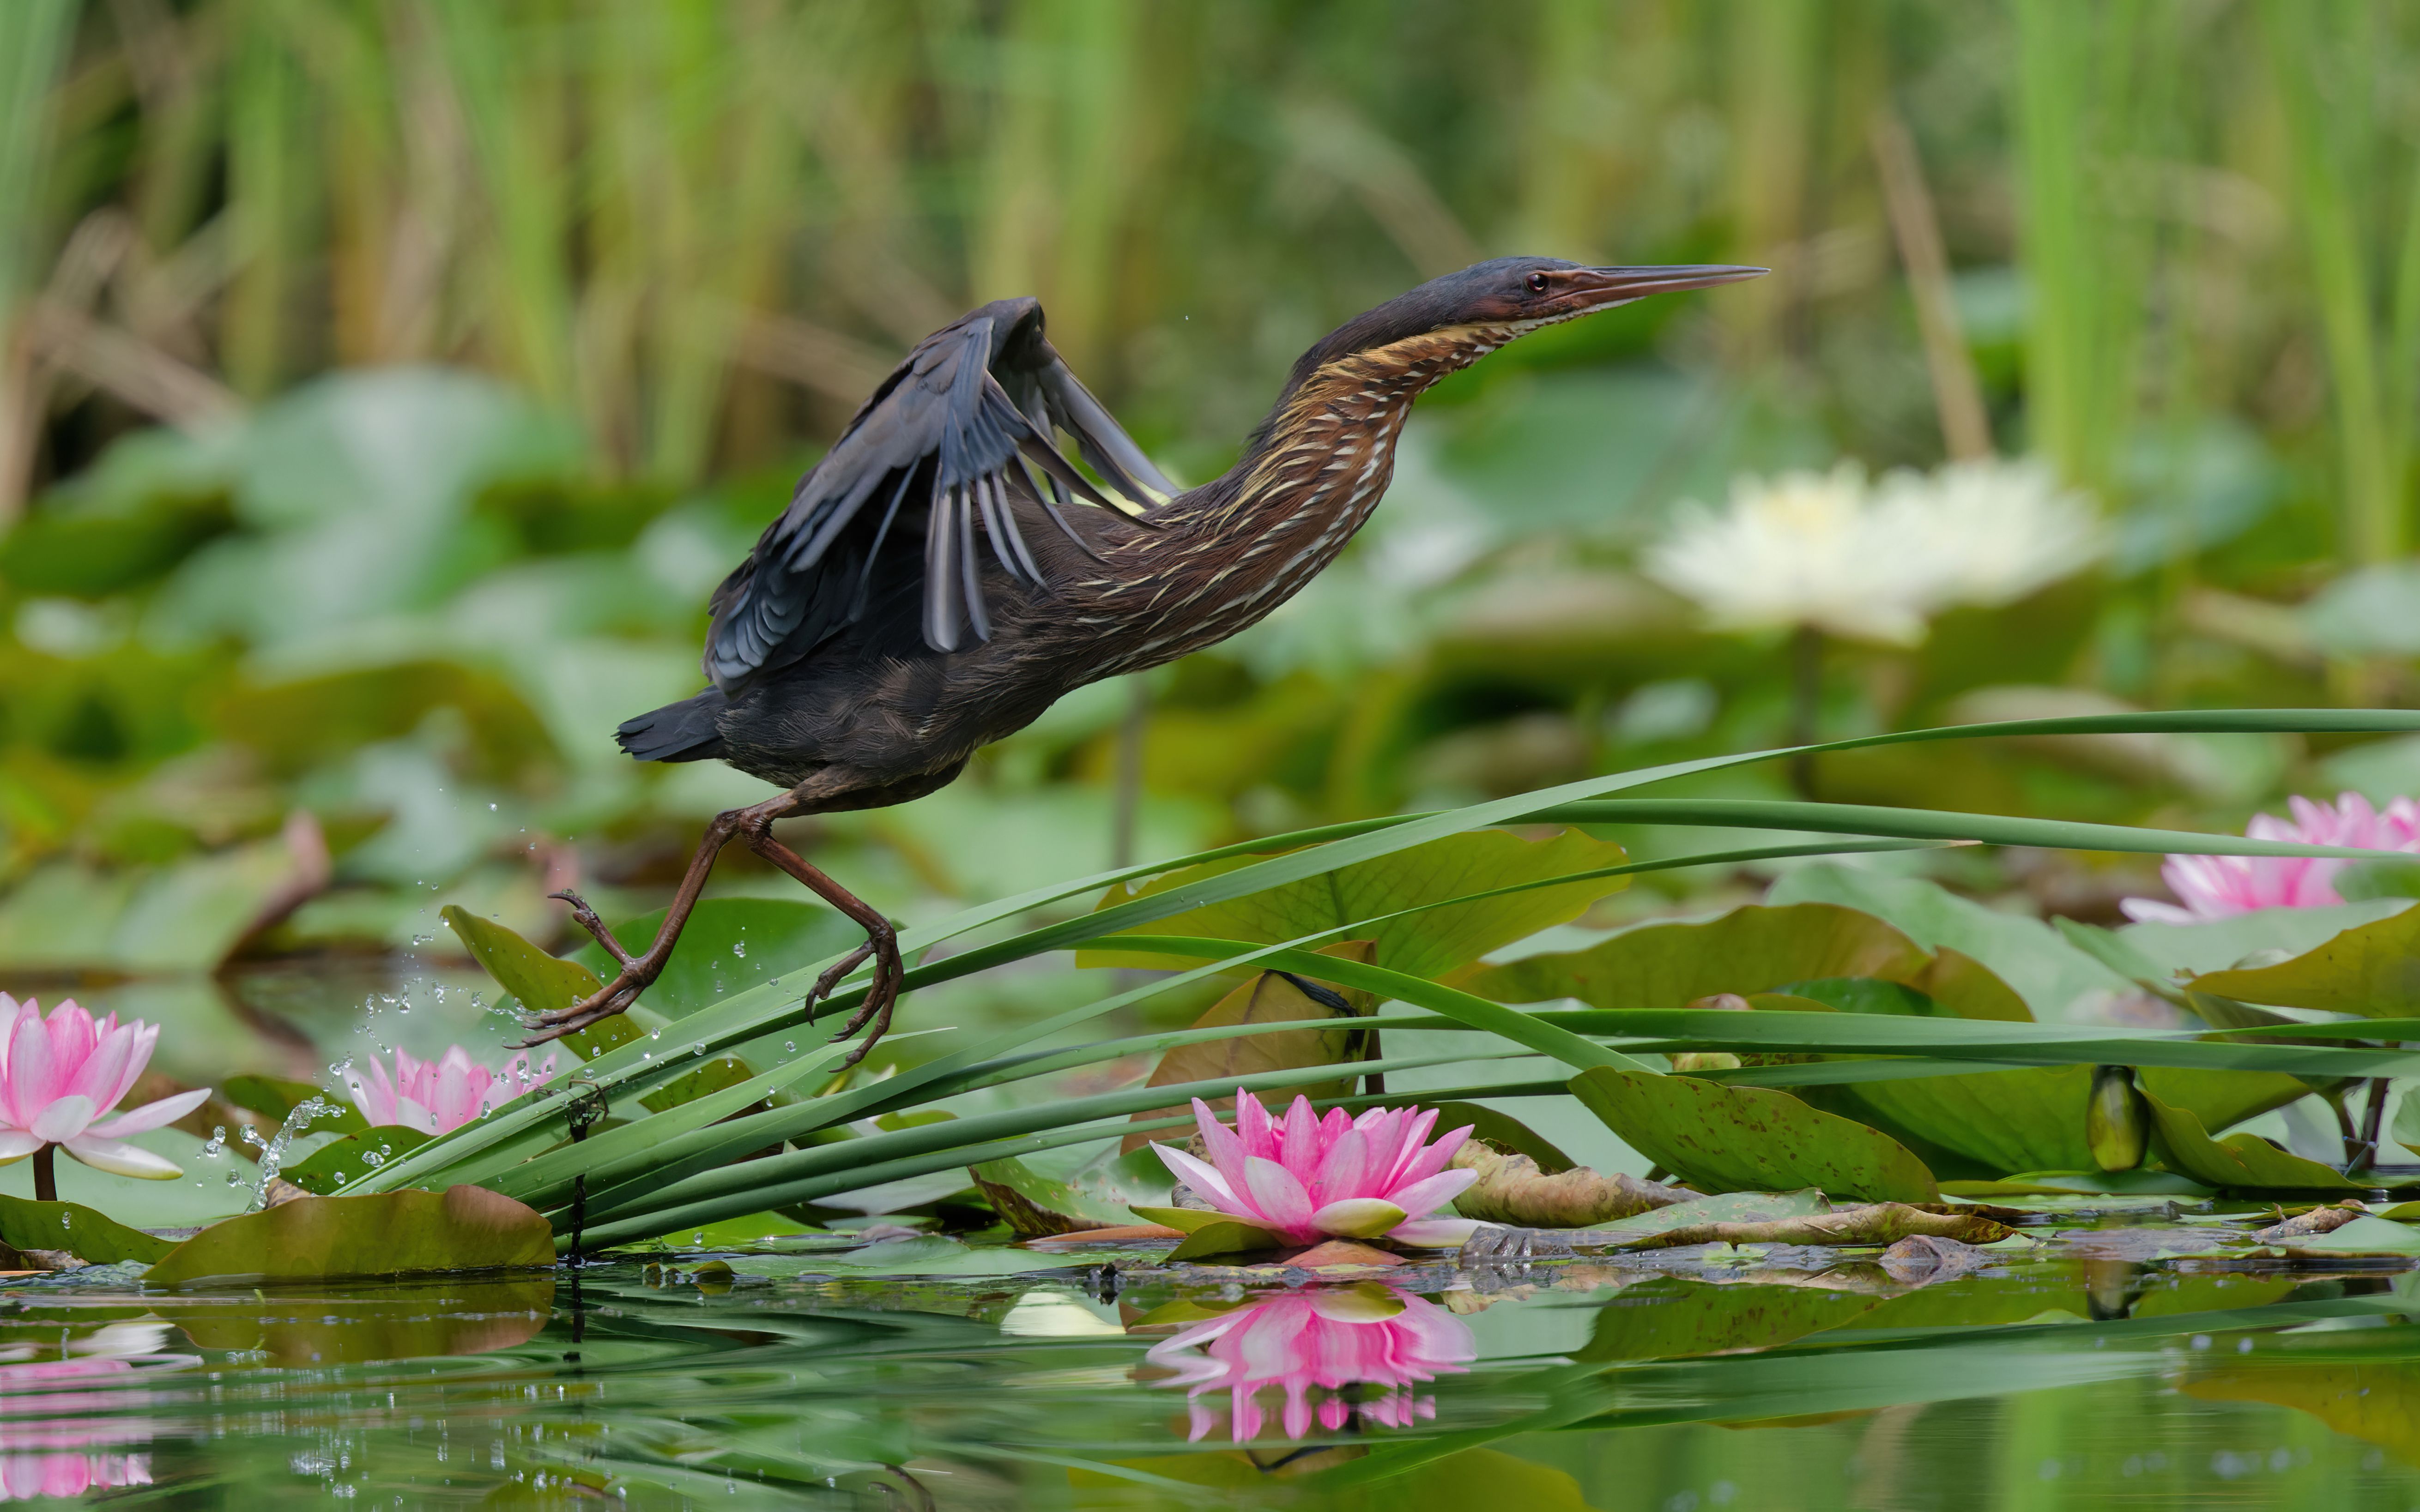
(683, 731)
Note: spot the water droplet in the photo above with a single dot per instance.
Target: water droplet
(789, 1047)
(739, 948)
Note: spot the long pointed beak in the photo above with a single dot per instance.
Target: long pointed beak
(1596, 287)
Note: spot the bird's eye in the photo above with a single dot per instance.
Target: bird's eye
(1537, 283)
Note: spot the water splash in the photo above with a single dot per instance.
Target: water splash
(273, 1152)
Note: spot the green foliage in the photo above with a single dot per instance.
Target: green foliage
(2367, 971)
(393, 1234)
(1736, 1139)
(2240, 1161)
(327, 1169)
(89, 1236)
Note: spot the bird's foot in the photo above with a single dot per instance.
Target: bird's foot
(586, 919)
(881, 992)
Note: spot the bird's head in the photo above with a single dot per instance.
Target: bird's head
(1515, 296)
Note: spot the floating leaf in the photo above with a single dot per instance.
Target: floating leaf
(729, 945)
(1034, 1205)
(89, 1236)
(542, 982)
(2080, 1184)
(1431, 943)
(2240, 1162)
(339, 1161)
(2363, 1236)
(1728, 1207)
(393, 1233)
(1207, 1232)
(2370, 970)
(1749, 950)
(275, 1098)
(1745, 1138)
(1270, 996)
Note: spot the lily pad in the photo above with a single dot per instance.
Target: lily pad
(1207, 1232)
(339, 1161)
(275, 1098)
(91, 1237)
(542, 982)
(2034, 1119)
(2240, 1162)
(1267, 997)
(1724, 1208)
(1035, 1204)
(1749, 950)
(728, 945)
(2371, 970)
(1431, 943)
(2363, 1236)
(1745, 1138)
(393, 1233)
(2080, 1184)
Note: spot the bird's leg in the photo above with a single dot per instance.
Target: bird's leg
(881, 943)
(640, 972)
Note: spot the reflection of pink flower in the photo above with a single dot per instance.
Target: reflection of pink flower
(1304, 1178)
(23, 1477)
(2217, 886)
(1371, 1335)
(433, 1096)
(59, 1074)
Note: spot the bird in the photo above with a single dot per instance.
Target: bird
(947, 570)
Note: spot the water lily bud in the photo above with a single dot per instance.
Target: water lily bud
(2117, 1123)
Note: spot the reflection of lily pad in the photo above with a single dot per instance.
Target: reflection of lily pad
(1672, 1316)
(413, 1320)
(1747, 1139)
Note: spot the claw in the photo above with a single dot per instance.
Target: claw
(586, 919)
(881, 994)
(615, 996)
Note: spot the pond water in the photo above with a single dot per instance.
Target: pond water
(792, 1373)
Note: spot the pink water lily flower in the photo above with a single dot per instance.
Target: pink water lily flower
(1369, 1336)
(433, 1096)
(59, 1074)
(2218, 887)
(1304, 1178)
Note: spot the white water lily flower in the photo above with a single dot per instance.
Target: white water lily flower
(1875, 562)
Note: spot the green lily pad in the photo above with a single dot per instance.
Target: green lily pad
(2363, 1236)
(1723, 1208)
(729, 945)
(1429, 944)
(2240, 1162)
(339, 1161)
(1676, 1317)
(275, 1098)
(2034, 1119)
(1745, 1138)
(2371, 970)
(2080, 1184)
(1034, 1205)
(1207, 1232)
(542, 982)
(1749, 950)
(393, 1233)
(91, 1237)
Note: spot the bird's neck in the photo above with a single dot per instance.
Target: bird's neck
(1318, 465)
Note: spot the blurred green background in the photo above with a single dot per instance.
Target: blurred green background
(385, 383)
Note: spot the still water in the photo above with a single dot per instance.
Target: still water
(795, 1376)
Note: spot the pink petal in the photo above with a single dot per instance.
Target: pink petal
(1252, 1129)
(16, 1144)
(151, 1115)
(1416, 1132)
(1432, 1159)
(72, 1035)
(98, 1075)
(1277, 1193)
(1225, 1150)
(1205, 1181)
(63, 1119)
(1344, 1171)
(33, 1079)
(1301, 1139)
(1436, 1233)
(1421, 1199)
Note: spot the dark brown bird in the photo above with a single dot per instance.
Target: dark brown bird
(935, 586)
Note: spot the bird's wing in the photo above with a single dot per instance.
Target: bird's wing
(920, 484)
